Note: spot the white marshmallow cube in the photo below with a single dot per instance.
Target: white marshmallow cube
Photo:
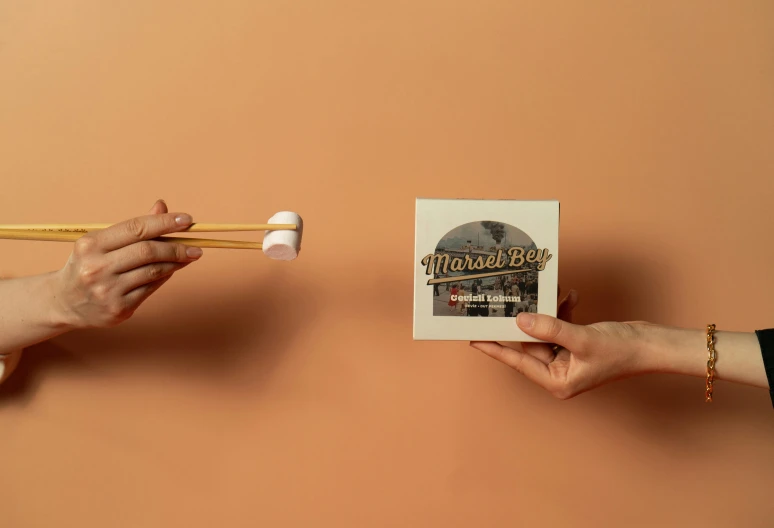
(283, 244)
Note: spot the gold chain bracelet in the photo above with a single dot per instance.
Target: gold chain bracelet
(710, 362)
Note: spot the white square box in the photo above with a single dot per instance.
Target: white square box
(503, 254)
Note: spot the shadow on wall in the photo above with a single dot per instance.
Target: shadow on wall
(615, 286)
(246, 325)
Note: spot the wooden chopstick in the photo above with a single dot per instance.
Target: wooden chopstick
(48, 236)
(193, 228)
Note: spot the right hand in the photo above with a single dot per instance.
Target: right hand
(586, 356)
(112, 271)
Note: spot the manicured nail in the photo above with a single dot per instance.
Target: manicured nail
(525, 320)
(183, 219)
(194, 252)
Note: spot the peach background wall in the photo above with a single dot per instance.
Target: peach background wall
(248, 392)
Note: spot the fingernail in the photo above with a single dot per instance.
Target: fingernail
(194, 252)
(525, 320)
(183, 219)
(161, 200)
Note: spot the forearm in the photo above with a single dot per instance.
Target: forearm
(29, 312)
(684, 351)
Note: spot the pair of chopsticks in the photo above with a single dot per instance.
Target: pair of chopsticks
(72, 232)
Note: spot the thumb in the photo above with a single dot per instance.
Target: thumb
(160, 207)
(553, 330)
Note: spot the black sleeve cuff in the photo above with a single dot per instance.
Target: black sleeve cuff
(766, 340)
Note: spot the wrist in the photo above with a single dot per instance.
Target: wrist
(675, 350)
(59, 314)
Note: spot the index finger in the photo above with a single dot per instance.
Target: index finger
(140, 228)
